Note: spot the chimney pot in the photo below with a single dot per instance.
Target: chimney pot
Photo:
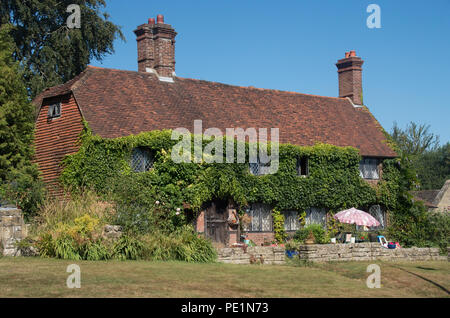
(347, 54)
(352, 53)
(156, 47)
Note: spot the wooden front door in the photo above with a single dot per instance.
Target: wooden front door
(216, 223)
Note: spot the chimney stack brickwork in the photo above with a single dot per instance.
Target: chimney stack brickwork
(350, 77)
(156, 47)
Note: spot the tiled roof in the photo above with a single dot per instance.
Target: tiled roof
(426, 196)
(118, 103)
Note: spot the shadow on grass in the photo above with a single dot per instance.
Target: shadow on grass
(424, 278)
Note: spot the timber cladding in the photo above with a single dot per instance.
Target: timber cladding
(56, 138)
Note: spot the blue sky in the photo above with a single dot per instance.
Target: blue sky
(294, 45)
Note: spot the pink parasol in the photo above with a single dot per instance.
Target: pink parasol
(358, 217)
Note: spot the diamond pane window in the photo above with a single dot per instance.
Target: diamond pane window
(316, 216)
(291, 221)
(261, 218)
(377, 213)
(141, 159)
(259, 168)
(368, 168)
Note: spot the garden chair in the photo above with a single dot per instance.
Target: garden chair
(382, 240)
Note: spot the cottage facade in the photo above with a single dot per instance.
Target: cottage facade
(118, 103)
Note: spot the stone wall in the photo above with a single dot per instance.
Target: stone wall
(273, 255)
(365, 252)
(12, 230)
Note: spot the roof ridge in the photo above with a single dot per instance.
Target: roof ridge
(114, 69)
(225, 84)
(260, 89)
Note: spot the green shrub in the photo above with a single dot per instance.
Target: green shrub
(183, 245)
(317, 230)
(65, 247)
(96, 251)
(129, 247)
(438, 230)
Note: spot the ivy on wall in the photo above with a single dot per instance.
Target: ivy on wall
(333, 181)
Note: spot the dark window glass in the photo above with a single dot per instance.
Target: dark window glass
(302, 166)
(54, 110)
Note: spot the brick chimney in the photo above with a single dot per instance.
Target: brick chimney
(156, 47)
(350, 77)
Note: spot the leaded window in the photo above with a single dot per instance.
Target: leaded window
(316, 216)
(377, 212)
(261, 218)
(291, 221)
(259, 168)
(141, 159)
(368, 168)
(54, 110)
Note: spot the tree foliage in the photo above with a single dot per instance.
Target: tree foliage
(433, 167)
(16, 113)
(18, 176)
(415, 139)
(48, 50)
(421, 147)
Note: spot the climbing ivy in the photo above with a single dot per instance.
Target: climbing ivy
(278, 226)
(333, 181)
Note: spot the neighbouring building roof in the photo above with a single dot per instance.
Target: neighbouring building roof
(426, 196)
(435, 199)
(117, 103)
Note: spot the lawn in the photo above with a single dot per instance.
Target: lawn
(37, 277)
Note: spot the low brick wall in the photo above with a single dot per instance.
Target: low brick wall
(260, 237)
(252, 255)
(12, 230)
(365, 252)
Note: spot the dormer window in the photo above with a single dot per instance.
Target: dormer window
(54, 110)
(368, 168)
(302, 167)
(141, 159)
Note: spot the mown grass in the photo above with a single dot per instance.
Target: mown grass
(38, 277)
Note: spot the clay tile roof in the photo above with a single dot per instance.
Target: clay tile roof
(117, 103)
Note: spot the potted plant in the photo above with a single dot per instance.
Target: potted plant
(291, 248)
